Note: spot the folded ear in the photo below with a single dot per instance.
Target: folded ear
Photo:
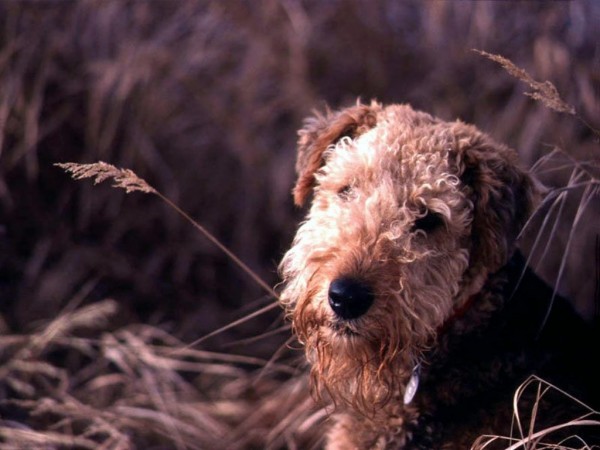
(323, 130)
(503, 196)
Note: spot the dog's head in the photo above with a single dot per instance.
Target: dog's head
(409, 215)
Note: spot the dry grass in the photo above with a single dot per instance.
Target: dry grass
(544, 92)
(101, 171)
(565, 435)
(138, 387)
(128, 180)
(202, 99)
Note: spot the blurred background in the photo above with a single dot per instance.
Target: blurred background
(203, 100)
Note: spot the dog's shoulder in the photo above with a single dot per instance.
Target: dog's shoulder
(545, 322)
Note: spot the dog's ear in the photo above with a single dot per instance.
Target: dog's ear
(503, 196)
(323, 130)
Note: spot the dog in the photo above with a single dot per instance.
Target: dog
(418, 315)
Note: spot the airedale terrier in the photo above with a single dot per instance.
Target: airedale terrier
(418, 317)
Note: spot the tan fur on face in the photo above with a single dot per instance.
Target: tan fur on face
(372, 172)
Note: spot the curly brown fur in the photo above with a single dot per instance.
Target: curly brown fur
(402, 263)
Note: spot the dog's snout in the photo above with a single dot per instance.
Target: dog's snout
(350, 298)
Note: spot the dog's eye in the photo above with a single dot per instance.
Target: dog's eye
(345, 192)
(431, 221)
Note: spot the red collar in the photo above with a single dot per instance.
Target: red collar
(458, 313)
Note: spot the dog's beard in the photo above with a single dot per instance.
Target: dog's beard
(356, 371)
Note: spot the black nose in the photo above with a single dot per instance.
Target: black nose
(349, 298)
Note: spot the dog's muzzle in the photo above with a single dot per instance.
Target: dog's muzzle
(350, 298)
